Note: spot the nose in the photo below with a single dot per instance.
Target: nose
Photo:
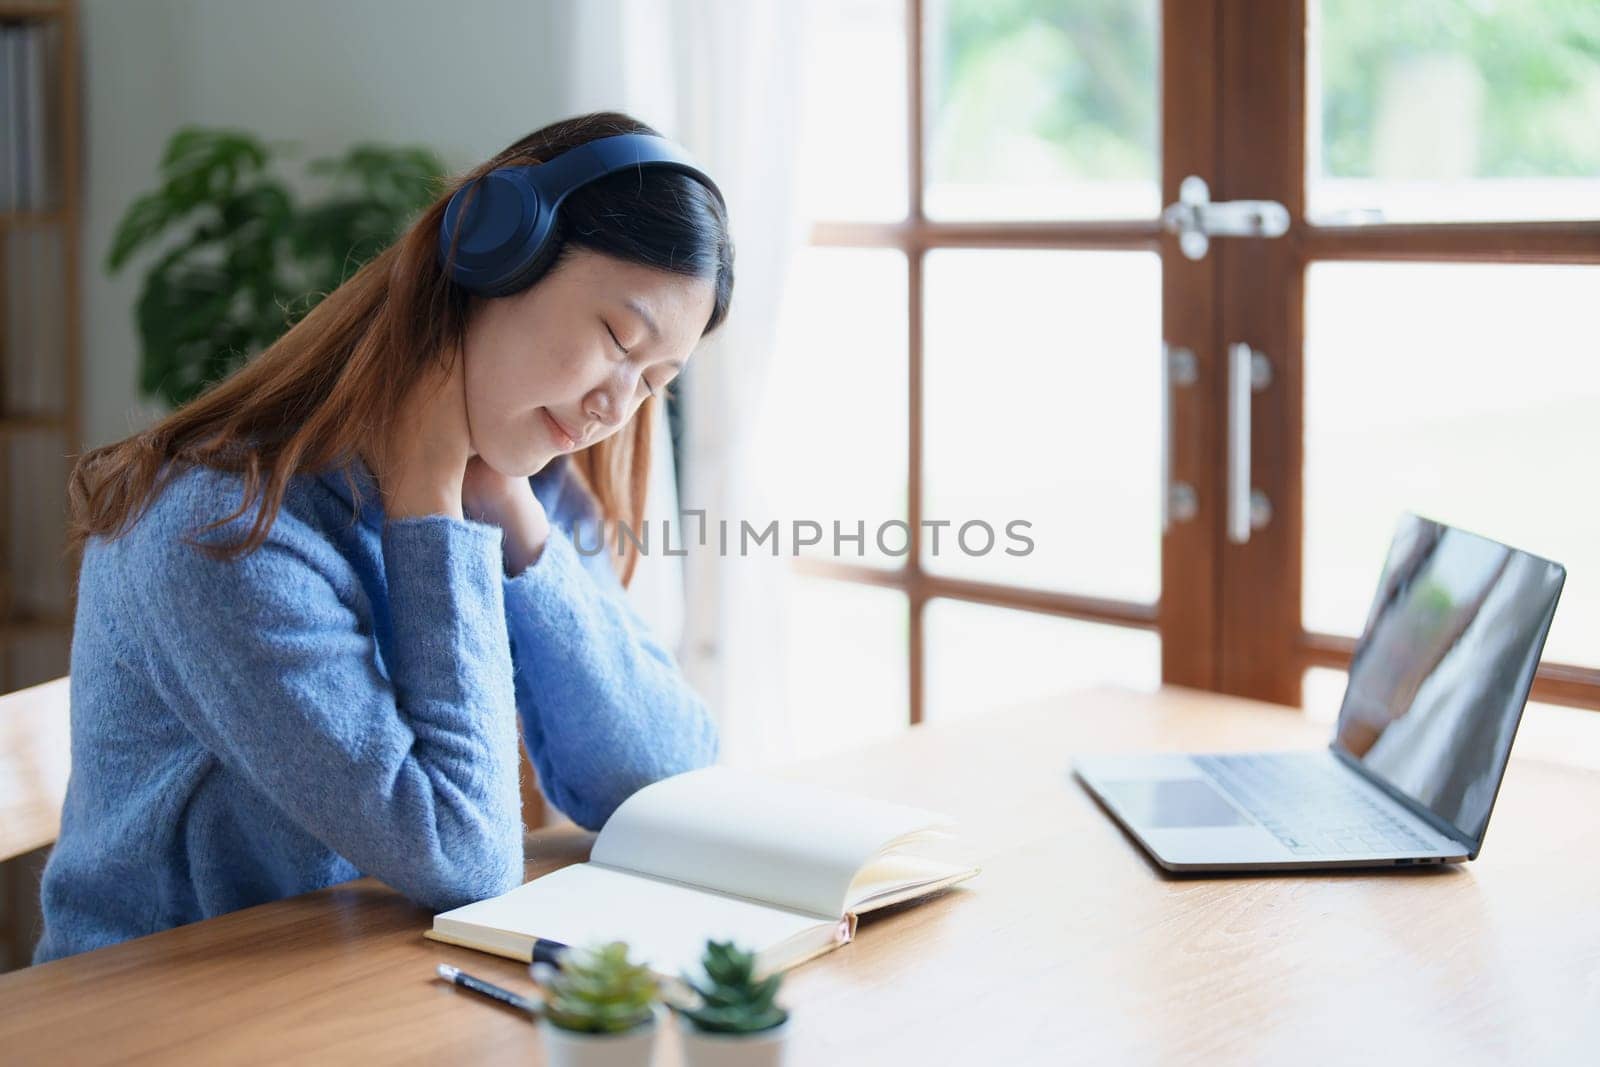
(603, 406)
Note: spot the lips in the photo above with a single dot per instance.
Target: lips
(563, 437)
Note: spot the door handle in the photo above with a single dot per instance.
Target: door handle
(1179, 370)
(1249, 372)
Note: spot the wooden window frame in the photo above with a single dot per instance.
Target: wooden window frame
(1232, 109)
(1262, 67)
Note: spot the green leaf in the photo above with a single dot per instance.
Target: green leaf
(731, 998)
(242, 261)
(598, 989)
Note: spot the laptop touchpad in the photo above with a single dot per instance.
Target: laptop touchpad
(1166, 802)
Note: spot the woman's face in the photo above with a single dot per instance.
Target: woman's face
(567, 361)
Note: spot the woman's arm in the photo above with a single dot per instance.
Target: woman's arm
(605, 709)
(413, 777)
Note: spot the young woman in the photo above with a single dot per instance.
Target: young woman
(315, 601)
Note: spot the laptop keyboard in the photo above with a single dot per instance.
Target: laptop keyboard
(1309, 804)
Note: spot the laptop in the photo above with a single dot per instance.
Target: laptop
(1437, 684)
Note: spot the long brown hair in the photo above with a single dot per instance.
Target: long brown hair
(309, 399)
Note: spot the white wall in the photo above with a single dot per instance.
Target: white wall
(465, 78)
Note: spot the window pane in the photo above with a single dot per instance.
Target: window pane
(861, 634)
(1547, 732)
(834, 430)
(1041, 110)
(853, 124)
(1321, 692)
(980, 658)
(1043, 405)
(1466, 393)
(1450, 109)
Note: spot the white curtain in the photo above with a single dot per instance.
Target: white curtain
(724, 79)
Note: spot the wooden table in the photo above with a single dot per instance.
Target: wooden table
(1070, 947)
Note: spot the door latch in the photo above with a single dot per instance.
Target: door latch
(1195, 219)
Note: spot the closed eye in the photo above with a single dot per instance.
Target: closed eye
(664, 389)
(614, 340)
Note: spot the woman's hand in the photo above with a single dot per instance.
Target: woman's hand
(422, 460)
(491, 497)
(426, 465)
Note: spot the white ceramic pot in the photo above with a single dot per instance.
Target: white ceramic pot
(630, 1048)
(703, 1048)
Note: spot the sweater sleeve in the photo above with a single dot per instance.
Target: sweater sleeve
(605, 709)
(411, 777)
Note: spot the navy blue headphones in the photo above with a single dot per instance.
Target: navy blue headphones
(505, 237)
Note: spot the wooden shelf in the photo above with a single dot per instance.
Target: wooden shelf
(19, 220)
(30, 624)
(32, 423)
(15, 13)
(59, 212)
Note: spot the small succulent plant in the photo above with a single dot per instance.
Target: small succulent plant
(731, 999)
(597, 989)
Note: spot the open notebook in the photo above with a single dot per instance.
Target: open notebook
(720, 853)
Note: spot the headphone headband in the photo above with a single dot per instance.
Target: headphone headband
(607, 155)
(506, 235)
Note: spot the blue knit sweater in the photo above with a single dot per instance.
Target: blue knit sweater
(341, 702)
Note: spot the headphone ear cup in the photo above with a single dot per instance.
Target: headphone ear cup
(491, 231)
(517, 276)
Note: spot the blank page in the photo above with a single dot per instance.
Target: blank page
(755, 836)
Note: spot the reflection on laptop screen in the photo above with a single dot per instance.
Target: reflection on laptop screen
(1443, 668)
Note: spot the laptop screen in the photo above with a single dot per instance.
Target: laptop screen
(1443, 668)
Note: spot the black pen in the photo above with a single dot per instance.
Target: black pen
(488, 989)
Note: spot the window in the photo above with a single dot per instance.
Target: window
(1025, 341)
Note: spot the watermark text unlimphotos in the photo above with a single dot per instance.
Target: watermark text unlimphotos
(974, 537)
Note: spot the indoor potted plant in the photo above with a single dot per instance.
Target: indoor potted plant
(601, 1009)
(241, 257)
(734, 1022)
